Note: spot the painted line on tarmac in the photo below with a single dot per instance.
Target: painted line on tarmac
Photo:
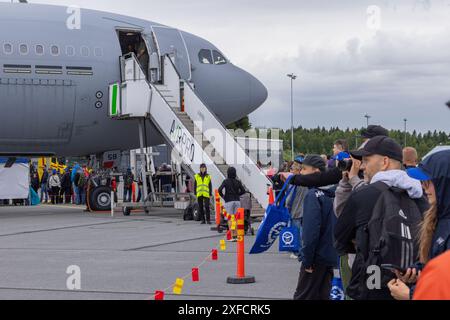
(139, 293)
(62, 207)
(174, 242)
(61, 228)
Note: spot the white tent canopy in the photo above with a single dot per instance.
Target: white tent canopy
(14, 181)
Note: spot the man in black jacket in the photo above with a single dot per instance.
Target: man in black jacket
(66, 186)
(381, 161)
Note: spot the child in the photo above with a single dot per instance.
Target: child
(317, 253)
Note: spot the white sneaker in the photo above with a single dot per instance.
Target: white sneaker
(293, 256)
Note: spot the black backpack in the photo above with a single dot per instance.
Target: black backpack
(393, 230)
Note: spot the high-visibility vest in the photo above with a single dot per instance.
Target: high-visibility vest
(202, 185)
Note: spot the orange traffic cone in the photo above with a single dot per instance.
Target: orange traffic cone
(271, 197)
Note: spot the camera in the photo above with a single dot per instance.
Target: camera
(345, 165)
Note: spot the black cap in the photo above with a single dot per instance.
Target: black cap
(383, 146)
(373, 131)
(315, 161)
(203, 165)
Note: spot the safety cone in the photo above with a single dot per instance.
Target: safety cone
(271, 197)
(218, 211)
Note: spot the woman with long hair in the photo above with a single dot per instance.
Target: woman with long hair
(434, 238)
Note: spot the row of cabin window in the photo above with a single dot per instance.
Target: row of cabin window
(54, 50)
(207, 56)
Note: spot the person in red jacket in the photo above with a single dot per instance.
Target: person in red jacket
(434, 281)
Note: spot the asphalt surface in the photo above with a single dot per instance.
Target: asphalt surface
(127, 257)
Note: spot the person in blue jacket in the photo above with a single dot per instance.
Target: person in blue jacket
(434, 239)
(318, 257)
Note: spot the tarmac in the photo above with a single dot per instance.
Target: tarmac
(127, 258)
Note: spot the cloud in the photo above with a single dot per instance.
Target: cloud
(390, 76)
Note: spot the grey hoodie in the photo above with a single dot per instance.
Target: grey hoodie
(400, 179)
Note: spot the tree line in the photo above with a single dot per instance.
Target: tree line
(320, 140)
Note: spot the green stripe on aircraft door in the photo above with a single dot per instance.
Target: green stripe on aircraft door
(114, 101)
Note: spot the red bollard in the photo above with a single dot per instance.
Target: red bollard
(240, 277)
(159, 295)
(195, 275)
(214, 254)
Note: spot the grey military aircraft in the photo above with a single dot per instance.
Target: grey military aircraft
(56, 65)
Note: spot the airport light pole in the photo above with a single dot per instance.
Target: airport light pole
(405, 120)
(367, 118)
(292, 77)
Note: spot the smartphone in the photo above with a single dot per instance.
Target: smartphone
(393, 267)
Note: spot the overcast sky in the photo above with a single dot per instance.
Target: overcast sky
(349, 59)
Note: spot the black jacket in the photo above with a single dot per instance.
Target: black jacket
(35, 183)
(351, 237)
(319, 179)
(318, 223)
(233, 187)
(65, 181)
(44, 179)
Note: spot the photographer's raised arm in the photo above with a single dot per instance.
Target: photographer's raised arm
(319, 179)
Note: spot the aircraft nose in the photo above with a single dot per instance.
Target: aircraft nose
(258, 93)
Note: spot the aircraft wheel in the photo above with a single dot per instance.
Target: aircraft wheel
(100, 199)
(126, 211)
(196, 211)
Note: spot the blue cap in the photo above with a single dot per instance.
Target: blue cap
(342, 155)
(299, 159)
(418, 174)
(54, 171)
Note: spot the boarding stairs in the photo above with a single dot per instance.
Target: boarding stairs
(187, 124)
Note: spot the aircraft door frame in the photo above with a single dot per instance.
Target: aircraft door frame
(183, 48)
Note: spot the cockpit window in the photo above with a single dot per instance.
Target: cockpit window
(218, 58)
(205, 56)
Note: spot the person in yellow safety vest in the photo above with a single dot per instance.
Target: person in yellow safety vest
(203, 191)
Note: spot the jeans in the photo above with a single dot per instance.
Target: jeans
(77, 194)
(81, 196)
(127, 193)
(44, 192)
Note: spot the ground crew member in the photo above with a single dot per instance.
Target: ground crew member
(203, 191)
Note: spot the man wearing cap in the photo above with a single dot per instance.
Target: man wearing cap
(203, 190)
(317, 254)
(373, 131)
(381, 162)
